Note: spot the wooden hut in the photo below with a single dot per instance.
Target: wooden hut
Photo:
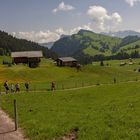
(32, 58)
(67, 61)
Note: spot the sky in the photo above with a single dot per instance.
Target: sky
(46, 20)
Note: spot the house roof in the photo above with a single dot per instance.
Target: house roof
(67, 59)
(28, 54)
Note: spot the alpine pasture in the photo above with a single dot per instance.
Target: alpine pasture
(87, 101)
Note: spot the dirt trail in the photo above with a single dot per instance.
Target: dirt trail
(82, 87)
(7, 128)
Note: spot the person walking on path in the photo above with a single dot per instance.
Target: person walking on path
(27, 86)
(6, 86)
(12, 88)
(17, 87)
(52, 86)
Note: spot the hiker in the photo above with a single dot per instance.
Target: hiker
(6, 86)
(27, 86)
(52, 86)
(12, 88)
(17, 87)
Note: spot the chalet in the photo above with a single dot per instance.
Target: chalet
(67, 61)
(32, 58)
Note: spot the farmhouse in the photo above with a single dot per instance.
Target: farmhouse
(67, 61)
(32, 58)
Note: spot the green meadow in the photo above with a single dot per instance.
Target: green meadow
(40, 78)
(104, 111)
(99, 113)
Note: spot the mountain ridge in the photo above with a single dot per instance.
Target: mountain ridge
(122, 34)
(89, 44)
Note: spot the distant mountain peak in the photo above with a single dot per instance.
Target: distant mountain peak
(83, 31)
(63, 35)
(122, 34)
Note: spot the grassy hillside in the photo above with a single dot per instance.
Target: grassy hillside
(41, 77)
(92, 52)
(131, 47)
(102, 112)
(100, 41)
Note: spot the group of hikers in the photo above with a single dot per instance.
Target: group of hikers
(15, 88)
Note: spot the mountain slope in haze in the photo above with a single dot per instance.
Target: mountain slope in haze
(122, 34)
(48, 44)
(8, 44)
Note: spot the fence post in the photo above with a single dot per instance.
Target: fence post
(62, 86)
(56, 86)
(34, 88)
(0, 89)
(75, 85)
(15, 114)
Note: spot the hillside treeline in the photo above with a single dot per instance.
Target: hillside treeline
(9, 44)
(86, 59)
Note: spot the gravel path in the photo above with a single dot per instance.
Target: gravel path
(7, 128)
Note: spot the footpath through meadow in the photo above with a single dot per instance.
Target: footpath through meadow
(7, 129)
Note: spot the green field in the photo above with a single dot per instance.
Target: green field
(104, 111)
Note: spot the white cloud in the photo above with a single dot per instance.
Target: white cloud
(138, 30)
(40, 37)
(132, 2)
(49, 36)
(63, 7)
(60, 31)
(102, 21)
(116, 17)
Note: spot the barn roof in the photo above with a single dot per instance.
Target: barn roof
(28, 54)
(67, 59)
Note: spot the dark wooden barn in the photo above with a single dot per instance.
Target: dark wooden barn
(67, 61)
(32, 58)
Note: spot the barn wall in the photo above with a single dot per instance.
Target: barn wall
(25, 60)
(20, 60)
(69, 63)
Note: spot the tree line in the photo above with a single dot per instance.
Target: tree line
(86, 59)
(9, 44)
